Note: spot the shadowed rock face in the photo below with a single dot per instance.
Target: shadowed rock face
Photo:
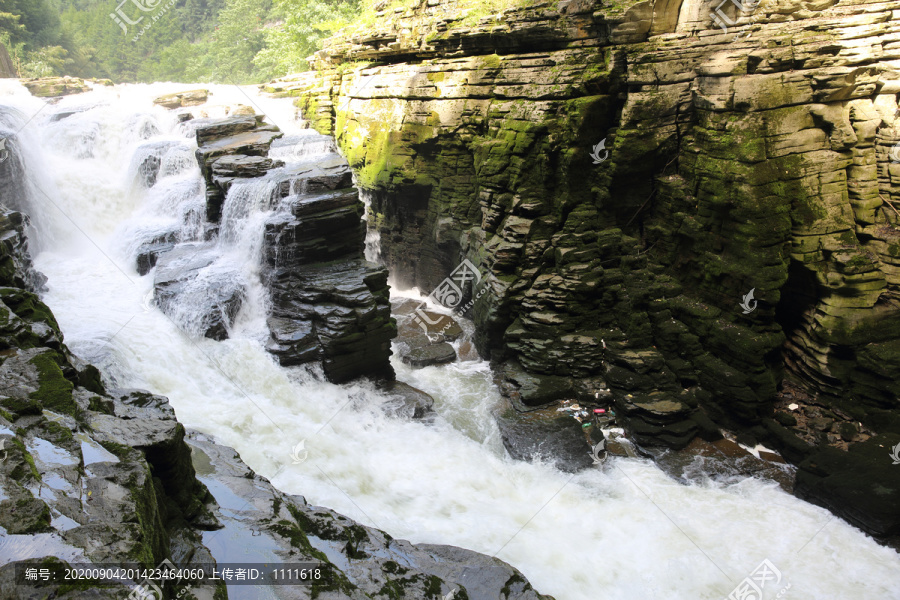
(90, 474)
(338, 313)
(625, 176)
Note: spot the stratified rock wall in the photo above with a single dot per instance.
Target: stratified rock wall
(327, 303)
(753, 159)
(685, 206)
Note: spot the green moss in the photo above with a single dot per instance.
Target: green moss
(393, 568)
(101, 405)
(433, 586)
(19, 473)
(55, 391)
(28, 306)
(42, 522)
(276, 504)
(489, 61)
(436, 76)
(514, 579)
(90, 379)
(58, 433)
(20, 407)
(121, 451)
(153, 544)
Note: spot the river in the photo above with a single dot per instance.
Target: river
(625, 531)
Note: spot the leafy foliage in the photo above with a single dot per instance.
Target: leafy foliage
(240, 41)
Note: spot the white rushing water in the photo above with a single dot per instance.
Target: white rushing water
(623, 532)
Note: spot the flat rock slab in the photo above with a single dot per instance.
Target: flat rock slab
(239, 165)
(430, 354)
(181, 99)
(251, 143)
(374, 560)
(53, 87)
(208, 130)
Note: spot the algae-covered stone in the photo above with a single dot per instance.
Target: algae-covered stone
(182, 99)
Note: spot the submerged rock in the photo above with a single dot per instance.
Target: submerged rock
(148, 253)
(547, 435)
(202, 299)
(407, 401)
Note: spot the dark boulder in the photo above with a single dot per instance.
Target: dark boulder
(344, 304)
(428, 354)
(547, 435)
(862, 485)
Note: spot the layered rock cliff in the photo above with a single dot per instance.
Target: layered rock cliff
(326, 303)
(627, 176)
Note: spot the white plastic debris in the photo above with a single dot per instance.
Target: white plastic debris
(793, 406)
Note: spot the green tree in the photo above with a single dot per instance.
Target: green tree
(298, 28)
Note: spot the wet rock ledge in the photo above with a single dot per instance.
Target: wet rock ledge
(96, 475)
(328, 304)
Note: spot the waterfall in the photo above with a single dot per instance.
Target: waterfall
(373, 237)
(620, 532)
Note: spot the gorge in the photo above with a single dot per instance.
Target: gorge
(236, 283)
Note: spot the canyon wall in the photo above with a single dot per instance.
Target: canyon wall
(627, 176)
